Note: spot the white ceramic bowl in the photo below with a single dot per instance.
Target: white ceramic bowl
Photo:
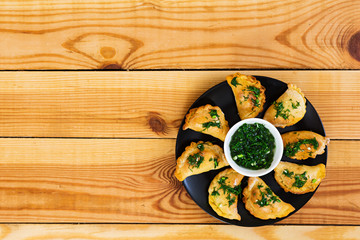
(277, 154)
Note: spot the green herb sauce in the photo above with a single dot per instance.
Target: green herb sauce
(292, 148)
(267, 197)
(252, 146)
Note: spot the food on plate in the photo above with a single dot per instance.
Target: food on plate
(249, 94)
(288, 109)
(198, 158)
(252, 146)
(303, 144)
(207, 119)
(224, 191)
(262, 202)
(299, 179)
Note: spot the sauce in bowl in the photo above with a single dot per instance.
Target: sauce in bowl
(252, 146)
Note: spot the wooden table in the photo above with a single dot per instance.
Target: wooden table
(98, 147)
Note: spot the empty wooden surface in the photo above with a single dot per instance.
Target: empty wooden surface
(176, 232)
(144, 34)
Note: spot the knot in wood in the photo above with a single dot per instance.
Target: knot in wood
(156, 123)
(112, 66)
(354, 46)
(108, 52)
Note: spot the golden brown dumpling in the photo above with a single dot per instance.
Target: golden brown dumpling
(261, 202)
(224, 190)
(303, 144)
(288, 109)
(198, 158)
(299, 179)
(207, 119)
(249, 94)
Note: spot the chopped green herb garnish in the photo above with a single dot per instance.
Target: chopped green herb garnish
(222, 180)
(216, 163)
(281, 111)
(300, 180)
(287, 173)
(215, 193)
(255, 90)
(200, 147)
(234, 82)
(215, 120)
(292, 148)
(230, 199)
(295, 105)
(255, 102)
(195, 160)
(213, 113)
(314, 180)
(235, 190)
(228, 190)
(267, 197)
(245, 99)
(210, 124)
(252, 146)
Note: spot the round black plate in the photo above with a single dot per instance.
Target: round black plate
(221, 95)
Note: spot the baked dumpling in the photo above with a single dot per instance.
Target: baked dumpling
(207, 119)
(224, 191)
(288, 109)
(303, 144)
(198, 158)
(299, 179)
(249, 94)
(261, 202)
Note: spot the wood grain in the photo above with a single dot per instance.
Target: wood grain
(149, 104)
(131, 181)
(176, 232)
(179, 34)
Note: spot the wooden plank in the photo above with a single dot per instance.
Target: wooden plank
(149, 104)
(176, 232)
(131, 181)
(179, 34)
